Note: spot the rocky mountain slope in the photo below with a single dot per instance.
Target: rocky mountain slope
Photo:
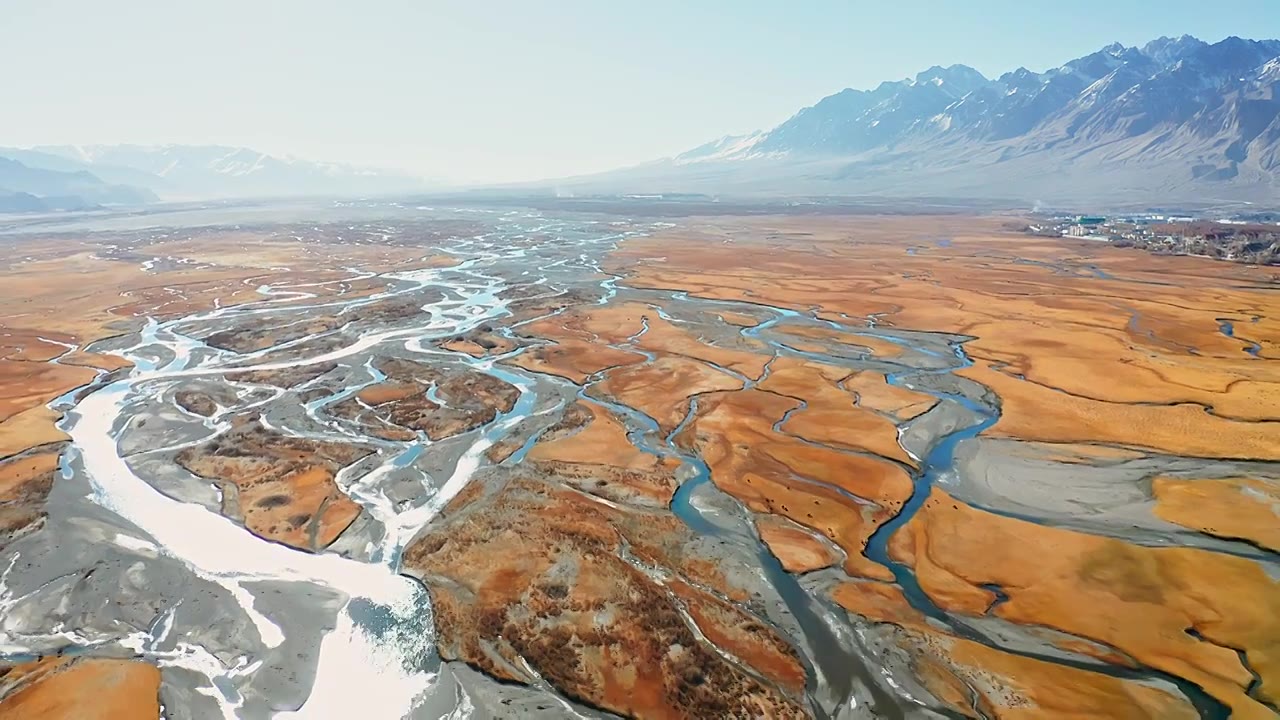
(1176, 119)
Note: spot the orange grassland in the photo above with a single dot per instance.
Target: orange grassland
(1087, 346)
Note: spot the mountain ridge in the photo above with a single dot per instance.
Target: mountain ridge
(35, 189)
(197, 172)
(1174, 119)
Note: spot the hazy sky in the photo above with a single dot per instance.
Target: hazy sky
(506, 90)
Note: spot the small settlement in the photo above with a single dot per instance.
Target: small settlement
(1254, 239)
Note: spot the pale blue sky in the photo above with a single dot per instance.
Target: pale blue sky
(504, 90)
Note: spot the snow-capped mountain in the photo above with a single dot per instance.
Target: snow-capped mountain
(1176, 119)
(215, 171)
(729, 146)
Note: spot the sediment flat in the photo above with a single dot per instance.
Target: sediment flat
(755, 466)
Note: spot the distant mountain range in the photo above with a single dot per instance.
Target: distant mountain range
(61, 177)
(24, 188)
(1175, 120)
